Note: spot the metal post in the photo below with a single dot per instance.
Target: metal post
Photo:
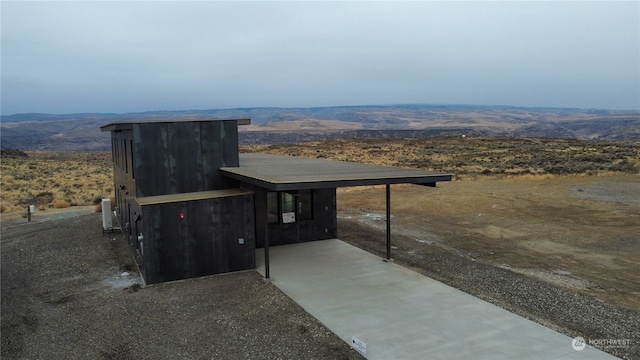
(266, 236)
(28, 213)
(388, 222)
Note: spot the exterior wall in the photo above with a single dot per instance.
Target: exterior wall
(182, 157)
(323, 226)
(161, 158)
(124, 179)
(203, 242)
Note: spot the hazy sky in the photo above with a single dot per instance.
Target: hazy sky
(66, 57)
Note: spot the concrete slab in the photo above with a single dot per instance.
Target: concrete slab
(400, 314)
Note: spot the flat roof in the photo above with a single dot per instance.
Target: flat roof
(120, 125)
(279, 173)
(192, 196)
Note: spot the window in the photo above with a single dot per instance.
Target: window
(289, 207)
(272, 207)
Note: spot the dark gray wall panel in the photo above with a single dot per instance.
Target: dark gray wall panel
(211, 151)
(152, 159)
(204, 242)
(185, 160)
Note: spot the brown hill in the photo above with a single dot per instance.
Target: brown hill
(80, 132)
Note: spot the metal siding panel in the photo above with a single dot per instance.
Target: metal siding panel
(151, 159)
(237, 257)
(205, 242)
(153, 246)
(203, 235)
(260, 216)
(227, 227)
(282, 234)
(188, 239)
(326, 213)
(229, 137)
(217, 247)
(168, 246)
(184, 157)
(211, 155)
(249, 232)
(146, 264)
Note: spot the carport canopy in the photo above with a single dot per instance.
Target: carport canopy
(288, 173)
(283, 173)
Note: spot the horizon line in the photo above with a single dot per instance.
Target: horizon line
(330, 106)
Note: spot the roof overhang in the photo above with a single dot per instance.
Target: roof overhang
(126, 125)
(285, 173)
(193, 196)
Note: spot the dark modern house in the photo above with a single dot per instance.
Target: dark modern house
(190, 205)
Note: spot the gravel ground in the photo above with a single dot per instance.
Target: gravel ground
(558, 308)
(70, 292)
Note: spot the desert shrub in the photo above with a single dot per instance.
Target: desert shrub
(625, 166)
(2, 208)
(12, 153)
(61, 204)
(44, 197)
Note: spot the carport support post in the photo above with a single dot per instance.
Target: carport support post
(388, 221)
(266, 236)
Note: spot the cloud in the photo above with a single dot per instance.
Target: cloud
(136, 56)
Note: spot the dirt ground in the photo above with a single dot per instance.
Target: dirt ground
(19, 217)
(580, 233)
(70, 292)
(563, 252)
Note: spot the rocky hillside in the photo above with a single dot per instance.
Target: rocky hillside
(81, 132)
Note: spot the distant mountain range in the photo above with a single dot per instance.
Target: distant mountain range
(81, 132)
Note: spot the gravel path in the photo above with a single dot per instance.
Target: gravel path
(70, 292)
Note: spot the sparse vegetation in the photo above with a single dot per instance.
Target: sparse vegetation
(12, 153)
(51, 179)
(84, 178)
(61, 204)
(471, 158)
